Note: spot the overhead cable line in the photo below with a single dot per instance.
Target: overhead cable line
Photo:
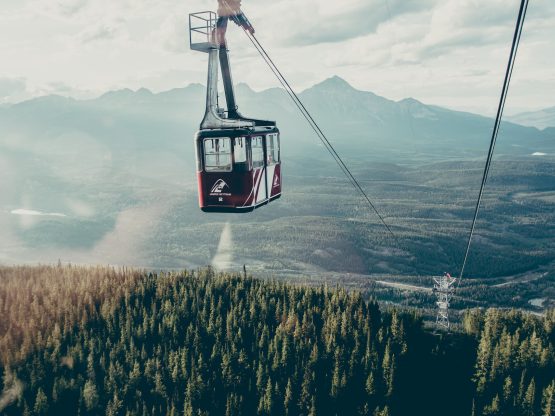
(325, 141)
(293, 98)
(495, 132)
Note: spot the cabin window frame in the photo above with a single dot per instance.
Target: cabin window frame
(273, 156)
(258, 163)
(199, 155)
(278, 142)
(243, 165)
(219, 167)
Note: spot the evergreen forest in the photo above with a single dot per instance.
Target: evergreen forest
(104, 341)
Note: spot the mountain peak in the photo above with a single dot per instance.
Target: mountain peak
(243, 87)
(540, 119)
(335, 83)
(410, 102)
(143, 91)
(194, 87)
(126, 93)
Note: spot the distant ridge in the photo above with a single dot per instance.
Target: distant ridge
(541, 119)
(350, 116)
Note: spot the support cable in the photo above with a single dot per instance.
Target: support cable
(503, 98)
(325, 141)
(299, 107)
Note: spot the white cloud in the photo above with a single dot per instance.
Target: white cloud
(62, 8)
(173, 34)
(101, 32)
(447, 52)
(349, 19)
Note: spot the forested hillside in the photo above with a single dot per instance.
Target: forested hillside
(99, 341)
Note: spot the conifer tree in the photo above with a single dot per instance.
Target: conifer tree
(548, 400)
(288, 398)
(41, 402)
(115, 406)
(530, 398)
(90, 395)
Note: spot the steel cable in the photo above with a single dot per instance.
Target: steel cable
(314, 125)
(495, 132)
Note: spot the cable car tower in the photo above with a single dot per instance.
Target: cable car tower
(443, 288)
(238, 158)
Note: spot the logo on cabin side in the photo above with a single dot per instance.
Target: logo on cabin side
(220, 188)
(276, 182)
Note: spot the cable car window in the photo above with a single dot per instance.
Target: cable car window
(240, 154)
(277, 149)
(217, 154)
(198, 155)
(272, 147)
(257, 152)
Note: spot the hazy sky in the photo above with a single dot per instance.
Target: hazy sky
(445, 52)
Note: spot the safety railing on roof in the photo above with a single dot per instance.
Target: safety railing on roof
(201, 28)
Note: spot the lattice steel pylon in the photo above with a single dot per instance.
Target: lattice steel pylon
(443, 288)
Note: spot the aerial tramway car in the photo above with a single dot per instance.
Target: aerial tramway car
(238, 158)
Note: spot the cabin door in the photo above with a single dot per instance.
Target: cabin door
(259, 169)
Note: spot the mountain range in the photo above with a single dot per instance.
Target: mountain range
(120, 133)
(113, 177)
(541, 119)
(165, 121)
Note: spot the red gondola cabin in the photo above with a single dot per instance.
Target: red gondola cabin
(238, 170)
(238, 158)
